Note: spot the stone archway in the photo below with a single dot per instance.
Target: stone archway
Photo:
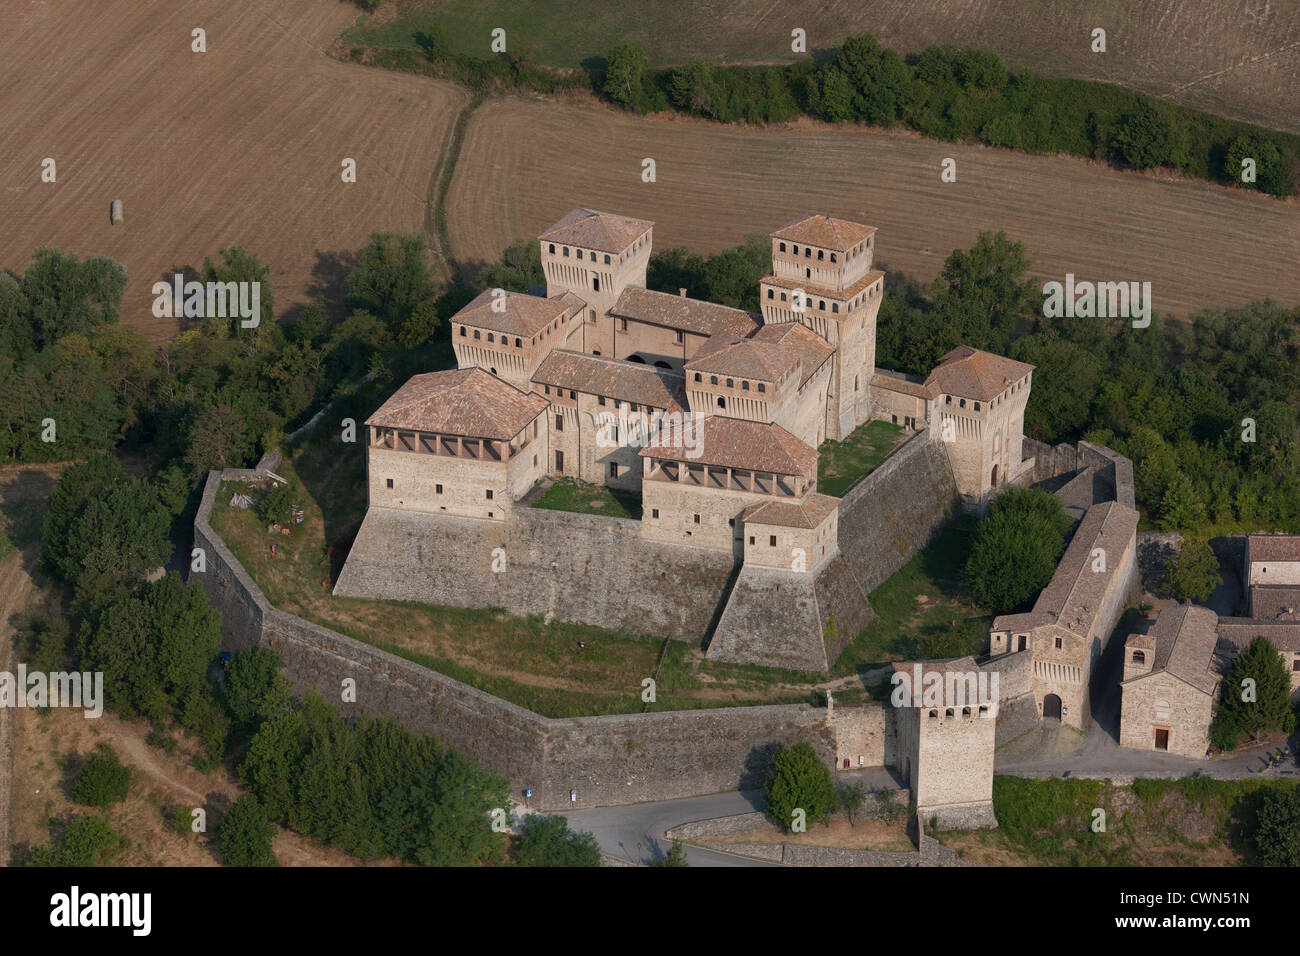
(1052, 706)
(993, 480)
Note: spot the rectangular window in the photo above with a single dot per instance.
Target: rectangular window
(559, 461)
(600, 399)
(751, 539)
(437, 489)
(654, 512)
(697, 519)
(489, 494)
(771, 541)
(613, 469)
(559, 423)
(1058, 643)
(390, 482)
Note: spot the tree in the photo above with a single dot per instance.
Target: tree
(239, 265)
(219, 439)
(851, 799)
(255, 688)
(625, 77)
(1016, 549)
(676, 856)
(443, 819)
(1272, 169)
(391, 279)
(548, 841)
(275, 504)
(1257, 691)
(68, 295)
(103, 781)
(1145, 137)
(1277, 836)
(1181, 506)
(245, 834)
(982, 292)
(1193, 572)
(270, 766)
(798, 780)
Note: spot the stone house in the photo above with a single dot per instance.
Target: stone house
(1272, 577)
(1169, 683)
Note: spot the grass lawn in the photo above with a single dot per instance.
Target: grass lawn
(543, 667)
(844, 462)
(915, 609)
(569, 494)
(1196, 821)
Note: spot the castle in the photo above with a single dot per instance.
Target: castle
(711, 415)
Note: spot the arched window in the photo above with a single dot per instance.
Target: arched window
(934, 714)
(1139, 657)
(490, 339)
(552, 248)
(948, 712)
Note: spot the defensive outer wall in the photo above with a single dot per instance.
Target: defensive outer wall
(604, 760)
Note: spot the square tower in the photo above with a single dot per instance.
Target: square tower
(596, 255)
(822, 278)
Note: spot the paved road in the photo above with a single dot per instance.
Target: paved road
(636, 833)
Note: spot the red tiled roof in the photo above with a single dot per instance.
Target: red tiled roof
(902, 383)
(468, 401)
(1272, 547)
(818, 230)
(679, 312)
(523, 315)
(970, 373)
(823, 291)
(592, 229)
(613, 378)
(737, 443)
(1075, 593)
(803, 341)
(743, 358)
(809, 513)
(1185, 638)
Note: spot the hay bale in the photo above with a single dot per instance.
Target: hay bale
(115, 212)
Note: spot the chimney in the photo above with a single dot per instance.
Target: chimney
(682, 293)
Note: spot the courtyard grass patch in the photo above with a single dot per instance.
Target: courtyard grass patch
(843, 462)
(557, 670)
(569, 494)
(923, 610)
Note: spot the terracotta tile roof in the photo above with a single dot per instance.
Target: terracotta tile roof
(679, 312)
(818, 230)
(1185, 637)
(743, 358)
(970, 373)
(592, 229)
(1026, 621)
(613, 378)
(814, 291)
(1272, 547)
(902, 383)
(524, 315)
(1240, 631)
(1275, 602)
(738, 443)
(807, 344)
(809, 513)
(467, 401)
(920, 681)
(1075, 593)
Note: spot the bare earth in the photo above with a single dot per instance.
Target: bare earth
(241, 145)
(1199, 244)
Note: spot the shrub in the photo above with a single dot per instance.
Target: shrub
(245, 834)
(82, 843)
(1017, 547)
(1193, 572)
(548, 841)
(275, 506)
(1277, 838)
(103, 781)
(798, 780)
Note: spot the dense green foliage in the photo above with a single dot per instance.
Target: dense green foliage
(1256, 696)
(676, 856)
(245, 834)
(373, 788)
(254, 687)
(798, 780)
(1017, 547)
(103, 780)
(548, 841)
(1193, 572)
(1277, 835)
(82, 841)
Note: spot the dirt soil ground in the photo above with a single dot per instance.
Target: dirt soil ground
(1200, 245)
(241, 145)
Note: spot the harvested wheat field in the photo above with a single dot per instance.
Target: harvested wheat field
(1198, 244)
(241, 145)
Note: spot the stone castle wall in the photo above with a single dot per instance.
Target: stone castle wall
(604, 760)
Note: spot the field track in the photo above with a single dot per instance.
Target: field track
(238, 145)
(525, 162)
